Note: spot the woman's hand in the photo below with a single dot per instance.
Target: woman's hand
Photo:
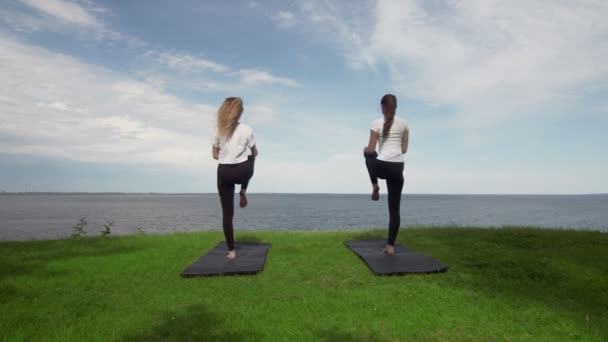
(215, 152)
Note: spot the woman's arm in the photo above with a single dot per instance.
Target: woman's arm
(254, 151)
(406, 140)
(371, 145)
(215, 151)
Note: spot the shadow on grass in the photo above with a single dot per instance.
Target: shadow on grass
(376, 234)
(541, 266)
(7, 293)
(248, 238)
(331, 335)
(196, 323)
(31, 258)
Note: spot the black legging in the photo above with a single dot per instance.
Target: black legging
(393, 173)
(227, 176)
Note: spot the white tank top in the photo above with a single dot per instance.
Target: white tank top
(389, 149)
(236, 149)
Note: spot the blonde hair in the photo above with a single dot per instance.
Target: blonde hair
(228, 116)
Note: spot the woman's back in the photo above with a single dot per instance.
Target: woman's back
(235, 149)
(390, 148)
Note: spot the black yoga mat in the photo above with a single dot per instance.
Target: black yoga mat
(250, 259)
(404, 261)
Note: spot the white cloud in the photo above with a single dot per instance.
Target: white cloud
(345, 173)
(208, 86)
(260, 114)
(186, 62)
(59, 106)
(84, 20)
(493, 57)
(69, 12)
(284, 19)
(79, 19)
(349, 25)
(500, 180)
(252, 77)
(491, 60)
(55, 105)
(193, 67)
(327, 175)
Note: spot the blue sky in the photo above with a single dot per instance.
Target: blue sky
(501, 96)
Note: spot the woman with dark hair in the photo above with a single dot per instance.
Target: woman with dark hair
(391, 134)
(231, 145)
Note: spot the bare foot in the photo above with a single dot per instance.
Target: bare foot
(231, 254)
(243, 199)
(390, 250)
(376, 192)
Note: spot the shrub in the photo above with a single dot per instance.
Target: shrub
(78, 229)
(106, 228)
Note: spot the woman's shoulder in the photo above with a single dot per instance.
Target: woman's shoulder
(244, 128)
(401, 122)
(377, 123)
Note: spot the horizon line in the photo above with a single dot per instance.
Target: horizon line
(287, 193)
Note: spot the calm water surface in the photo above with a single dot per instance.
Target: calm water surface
(48, 216)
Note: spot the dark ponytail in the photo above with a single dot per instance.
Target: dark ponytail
(389, 108)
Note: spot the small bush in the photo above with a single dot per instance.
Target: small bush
(78, 229)
(107, 228)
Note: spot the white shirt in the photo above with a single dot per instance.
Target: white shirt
(235, 150)
(390, 150)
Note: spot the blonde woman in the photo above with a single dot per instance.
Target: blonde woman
(392, 136)
(231, 146)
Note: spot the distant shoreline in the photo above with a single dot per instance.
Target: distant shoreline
(274, 193)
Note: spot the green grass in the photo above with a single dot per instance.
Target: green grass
(503, 284)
